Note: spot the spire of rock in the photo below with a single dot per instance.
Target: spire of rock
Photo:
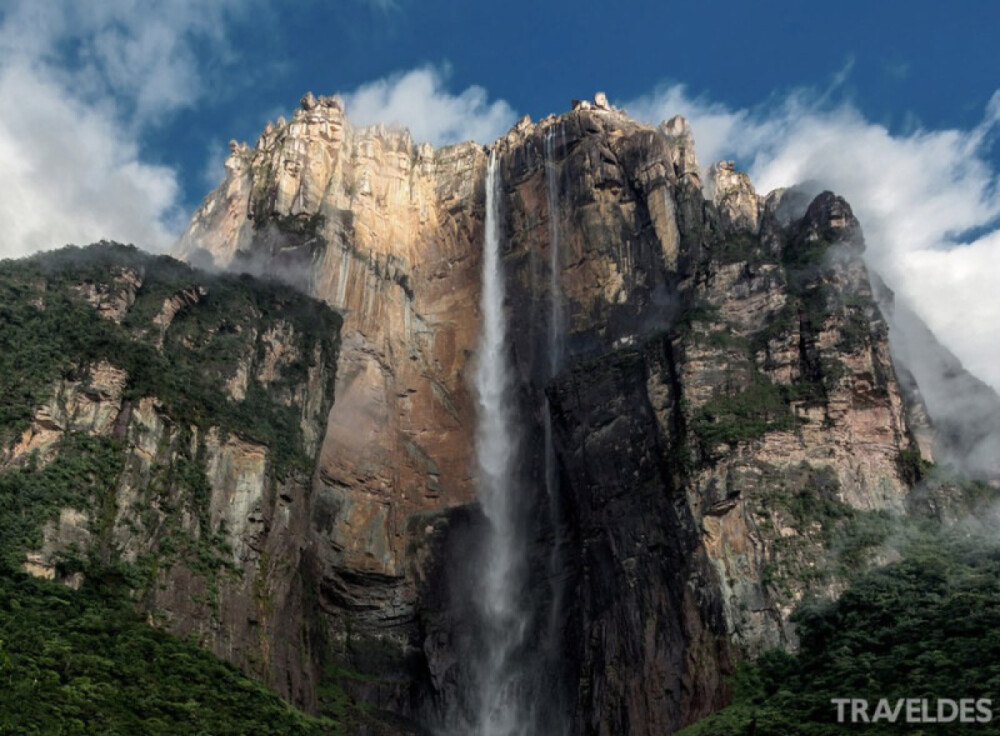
(829, 217)
(678, 132)
(734, 195)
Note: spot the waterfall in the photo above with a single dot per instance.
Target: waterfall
(504, 614)
(511, 691)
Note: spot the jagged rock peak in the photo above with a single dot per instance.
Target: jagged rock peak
(734, 196)
(677, 130)
(325, 118)
(677, 127)
(600, 102)
(830, 217)
(310, 102)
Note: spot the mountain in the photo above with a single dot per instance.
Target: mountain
(159, 429)
(707, 423)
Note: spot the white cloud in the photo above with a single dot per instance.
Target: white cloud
(140, 54)
(912, 193)
(71, 174)
(418, 100)
(214, 171)
(82, 81)
(79, 83)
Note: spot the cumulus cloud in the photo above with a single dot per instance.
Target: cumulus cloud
(917, 196)
(71, 174)
(419, 100)
(79, 83)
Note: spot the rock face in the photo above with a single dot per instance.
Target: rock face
(730, 433)
(202, 495)
(386, 231)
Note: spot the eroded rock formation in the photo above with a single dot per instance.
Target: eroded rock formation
(726, 416)
(201, 495)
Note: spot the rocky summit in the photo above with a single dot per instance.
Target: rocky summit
(710, 425)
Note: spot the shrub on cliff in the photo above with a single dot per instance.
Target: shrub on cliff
(927, 627)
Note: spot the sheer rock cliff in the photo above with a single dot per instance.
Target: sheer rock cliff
(729, 430)
(187, 411)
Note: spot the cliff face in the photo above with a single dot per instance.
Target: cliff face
(728, 428)
(387, 232)
(185, 412)
(727, 420)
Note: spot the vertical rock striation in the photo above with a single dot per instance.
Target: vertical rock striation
(389, 233)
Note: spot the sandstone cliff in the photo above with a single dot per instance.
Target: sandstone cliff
(387, 232)
(728, 426)
(181, 416)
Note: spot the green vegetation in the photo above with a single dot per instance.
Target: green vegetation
(833, 539)
(698, 311)
(912, 466)
(86, 468)
(856, 330)
(732, 418)
(86, 662)
(83, 662)
(806, 257)
(761, 406)
(726, 340)
(806, 265)
(177, 491)
(304, 225)
(741, 248)
(778, 326)
(48, 332)
(926, 627)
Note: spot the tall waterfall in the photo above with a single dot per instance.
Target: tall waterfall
(504, 613)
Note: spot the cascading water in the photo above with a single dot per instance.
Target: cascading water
(501, 710)
(510, 689)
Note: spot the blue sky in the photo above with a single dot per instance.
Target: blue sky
(117, 113)
(904, 64)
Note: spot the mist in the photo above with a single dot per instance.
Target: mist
(929, 204)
